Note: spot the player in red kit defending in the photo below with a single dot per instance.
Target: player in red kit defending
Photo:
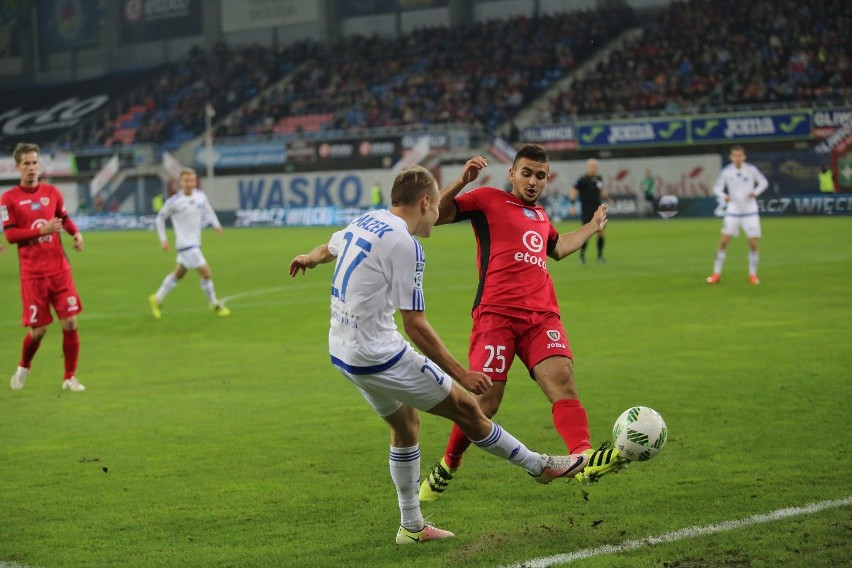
(515, 239)
(33, 213)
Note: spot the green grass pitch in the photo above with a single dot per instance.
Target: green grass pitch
(232, 442)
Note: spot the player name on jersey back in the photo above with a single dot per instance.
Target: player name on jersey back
(372, 225)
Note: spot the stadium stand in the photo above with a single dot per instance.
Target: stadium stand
(693, 56)
(479, 75)
(169, 109)
(720, 54)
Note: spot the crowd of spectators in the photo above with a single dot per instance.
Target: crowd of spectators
(693, 56)
(171, 107)
(479, 74)
(703, 54)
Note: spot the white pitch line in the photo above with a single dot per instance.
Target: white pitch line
(144, 312)
(14, 565)
(567, 558)
(291, 296)
(254, 293)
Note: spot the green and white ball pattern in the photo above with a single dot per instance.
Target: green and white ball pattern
(639, 433)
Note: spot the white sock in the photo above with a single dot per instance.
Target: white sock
(502, 444)
(719, 262)
(405, 472)
(753, 258)
(169, 283)
(207, 288)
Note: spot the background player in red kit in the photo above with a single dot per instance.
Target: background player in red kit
(33, 213)
(515, 310)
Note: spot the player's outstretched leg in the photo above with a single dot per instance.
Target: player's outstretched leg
(541, 467)
(602, 461)
(554, 467)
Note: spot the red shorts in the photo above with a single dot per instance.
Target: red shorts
(497, 338)
(38, 294)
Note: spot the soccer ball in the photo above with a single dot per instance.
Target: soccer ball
(639, 433)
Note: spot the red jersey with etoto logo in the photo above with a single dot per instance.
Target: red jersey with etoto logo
(30, 208)
(513, 240)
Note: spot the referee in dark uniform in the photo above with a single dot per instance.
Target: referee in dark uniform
(590, 190)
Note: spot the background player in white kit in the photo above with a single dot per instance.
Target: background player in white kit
(379, 270)
(744, 183)
(189, 211)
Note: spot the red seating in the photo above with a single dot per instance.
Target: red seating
(307, 123)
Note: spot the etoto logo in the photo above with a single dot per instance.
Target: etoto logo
(534, 244)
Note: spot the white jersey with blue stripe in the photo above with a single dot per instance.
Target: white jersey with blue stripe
(189, 214)
(740, 184)
(379, 270)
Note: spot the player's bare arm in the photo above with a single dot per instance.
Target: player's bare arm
(447, 209)
(71, 229)
(424, 336)
(302, 262)
(78, 241)
(570, 242)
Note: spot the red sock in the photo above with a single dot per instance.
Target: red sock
(570, 420)
(71, 349)
(455, 447)
(28, 350)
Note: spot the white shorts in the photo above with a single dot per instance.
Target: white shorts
(191, 258)
(414, 380)
(750, 225)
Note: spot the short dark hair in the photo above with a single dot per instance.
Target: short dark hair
(532, 152)
(737, 148)
(24, 148)
(411, 184)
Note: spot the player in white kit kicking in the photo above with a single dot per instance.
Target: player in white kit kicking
(189, 211)
(743, 183)
(379, 270)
